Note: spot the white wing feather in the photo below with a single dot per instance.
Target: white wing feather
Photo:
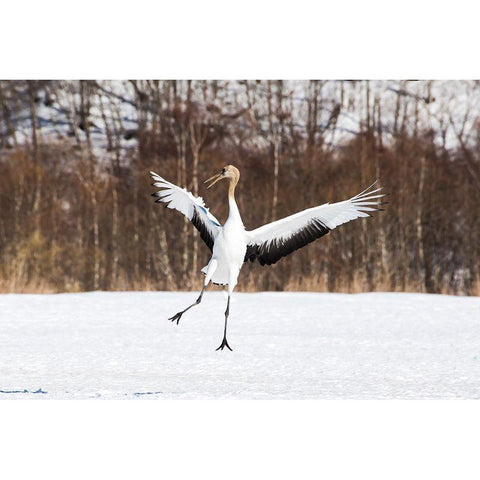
(192, 207)
(277, 239)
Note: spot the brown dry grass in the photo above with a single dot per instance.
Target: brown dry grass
(315, 283)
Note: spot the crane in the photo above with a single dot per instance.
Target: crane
(232, 245)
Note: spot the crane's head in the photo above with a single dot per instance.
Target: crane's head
(229, 172)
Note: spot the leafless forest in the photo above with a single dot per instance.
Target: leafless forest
(76, 212)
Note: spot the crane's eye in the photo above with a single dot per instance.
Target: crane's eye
(223, 171)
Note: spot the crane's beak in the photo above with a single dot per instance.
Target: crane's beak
(215, 179)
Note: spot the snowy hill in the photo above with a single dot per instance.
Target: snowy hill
(448, 108)
(286, 346)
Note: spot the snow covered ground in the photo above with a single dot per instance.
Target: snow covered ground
(446, 106)
(286, 346)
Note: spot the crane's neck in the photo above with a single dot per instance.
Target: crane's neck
(232, 204)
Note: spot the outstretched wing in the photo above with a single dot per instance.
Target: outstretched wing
(275, 240)
(192, 207)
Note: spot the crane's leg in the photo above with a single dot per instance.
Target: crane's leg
(212, 266)
(231, 285)
(224, 341)
(178, 315)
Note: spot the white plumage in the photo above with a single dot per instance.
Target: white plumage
(232, 245)
(179, 199)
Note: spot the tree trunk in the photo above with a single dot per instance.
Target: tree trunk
(418, 226)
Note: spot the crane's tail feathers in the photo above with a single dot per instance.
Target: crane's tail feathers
(204, 271)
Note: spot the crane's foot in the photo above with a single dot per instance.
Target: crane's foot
(177, 317)
(224, 344)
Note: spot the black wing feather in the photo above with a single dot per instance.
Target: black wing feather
(269, 253)
(204, 233)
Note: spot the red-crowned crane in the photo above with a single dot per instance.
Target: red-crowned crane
(232, 245)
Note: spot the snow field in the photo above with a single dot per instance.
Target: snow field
(120, 345)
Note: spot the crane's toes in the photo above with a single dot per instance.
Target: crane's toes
(223, 345)
(176, 317)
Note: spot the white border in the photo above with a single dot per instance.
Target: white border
(239, 439)
(248, 39)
